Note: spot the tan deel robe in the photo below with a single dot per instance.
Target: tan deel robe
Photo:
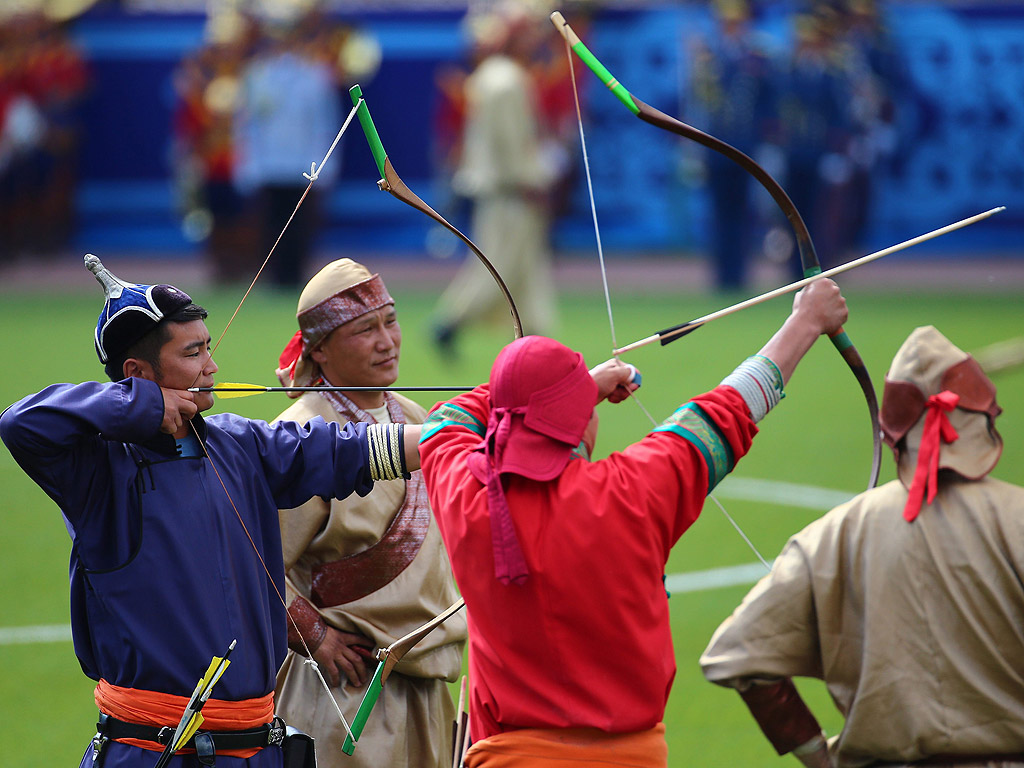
(505, 172)
(411, 724)
(916, 628)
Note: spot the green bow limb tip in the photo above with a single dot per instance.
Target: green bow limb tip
(387, 659)
(373, 689)
(380, 156)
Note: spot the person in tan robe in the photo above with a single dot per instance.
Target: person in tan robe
(363, 573)
(507, 169)
(908, 601)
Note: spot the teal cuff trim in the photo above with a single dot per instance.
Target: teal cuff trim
(449, 415)
(691, 423)
(580, 452)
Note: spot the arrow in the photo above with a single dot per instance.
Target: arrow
(1001, 356)
(678, 331)
(231, 389)
(191, 718)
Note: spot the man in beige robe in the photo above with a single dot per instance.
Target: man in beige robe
(908, 601)
(363, 572)
(507, 170)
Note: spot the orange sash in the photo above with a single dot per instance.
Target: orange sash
(570, 748)
(159, 709)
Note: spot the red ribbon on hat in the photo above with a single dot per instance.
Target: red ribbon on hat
(291, 355)
(509, 561)
(936, 426)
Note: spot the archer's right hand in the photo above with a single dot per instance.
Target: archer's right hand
(615, 380)
(179, 407)
(344, 653)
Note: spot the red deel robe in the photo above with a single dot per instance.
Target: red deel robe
(585, 642)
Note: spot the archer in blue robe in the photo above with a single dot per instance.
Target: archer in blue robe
(163, 575)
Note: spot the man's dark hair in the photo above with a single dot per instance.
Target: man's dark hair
(148, 347)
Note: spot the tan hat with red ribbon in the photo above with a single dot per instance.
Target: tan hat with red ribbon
(938, 412)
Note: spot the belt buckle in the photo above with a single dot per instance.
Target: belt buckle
(275, 732)
(99, 741)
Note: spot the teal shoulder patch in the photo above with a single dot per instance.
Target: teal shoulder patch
(691, 423)
(449, 415)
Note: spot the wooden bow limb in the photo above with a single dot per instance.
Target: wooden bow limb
(668, 335)
(387, 659)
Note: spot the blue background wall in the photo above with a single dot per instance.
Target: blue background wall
(961, 126)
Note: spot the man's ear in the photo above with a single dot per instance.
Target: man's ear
(140, 369)
(318, 356)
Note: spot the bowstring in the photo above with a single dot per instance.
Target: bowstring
(312, 176)
(590, 190)
(309, 661)
(607, 292)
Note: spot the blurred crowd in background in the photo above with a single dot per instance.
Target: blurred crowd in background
(43, 79)
(254, 103)
(820, 116)
(222, 166)
(267, 88)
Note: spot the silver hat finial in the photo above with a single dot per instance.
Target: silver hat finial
(112, 286)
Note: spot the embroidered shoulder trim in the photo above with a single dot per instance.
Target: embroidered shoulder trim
(691, 423)
(449, 415)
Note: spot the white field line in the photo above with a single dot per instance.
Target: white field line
(713, 578)
(785, 494)
(742, 489)
(43, 633)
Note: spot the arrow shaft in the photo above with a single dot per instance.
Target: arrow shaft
(808, 280)
(256, 389)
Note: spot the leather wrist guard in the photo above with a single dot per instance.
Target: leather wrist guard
(781, 714)
(311, 626)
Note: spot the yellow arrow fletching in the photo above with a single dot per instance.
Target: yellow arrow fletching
(217, 668)
(190, 730)
(248, 390)
(208, 679)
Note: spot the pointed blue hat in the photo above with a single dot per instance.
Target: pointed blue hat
(130, 310)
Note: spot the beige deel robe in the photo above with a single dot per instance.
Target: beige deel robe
(504, 170)
(412, 722)
(916, 628)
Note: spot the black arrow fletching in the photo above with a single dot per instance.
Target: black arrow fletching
(676, 332)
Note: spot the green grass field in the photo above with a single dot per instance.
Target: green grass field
(818, 436)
